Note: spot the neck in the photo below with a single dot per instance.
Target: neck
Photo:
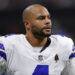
(36, 41)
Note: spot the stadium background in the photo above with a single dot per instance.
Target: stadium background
(62, 11)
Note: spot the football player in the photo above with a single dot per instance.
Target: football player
(37, 52)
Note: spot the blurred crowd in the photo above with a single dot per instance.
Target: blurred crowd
(62, 14)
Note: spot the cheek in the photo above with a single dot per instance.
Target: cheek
(39, 24)
(35, 28)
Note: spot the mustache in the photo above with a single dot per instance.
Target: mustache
(47, 27)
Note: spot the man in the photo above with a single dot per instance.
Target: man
(35, 53)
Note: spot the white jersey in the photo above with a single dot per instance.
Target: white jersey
(20, 58)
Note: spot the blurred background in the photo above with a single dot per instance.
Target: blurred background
(62, 11)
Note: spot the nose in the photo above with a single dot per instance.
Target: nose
(48, 21)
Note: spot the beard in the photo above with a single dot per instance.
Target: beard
(39, 32)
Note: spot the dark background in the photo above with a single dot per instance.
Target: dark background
(62, 11)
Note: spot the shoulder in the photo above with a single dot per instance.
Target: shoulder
(11, 39)
(63, 40)
(64, 44)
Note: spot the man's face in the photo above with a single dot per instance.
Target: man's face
(40, 22)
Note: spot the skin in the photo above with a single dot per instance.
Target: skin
(37, 22)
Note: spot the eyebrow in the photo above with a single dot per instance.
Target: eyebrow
(42, 16)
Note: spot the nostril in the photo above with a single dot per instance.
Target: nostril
(47, 23)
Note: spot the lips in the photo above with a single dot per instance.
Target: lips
(47, 27)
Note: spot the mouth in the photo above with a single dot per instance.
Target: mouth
(48, 28)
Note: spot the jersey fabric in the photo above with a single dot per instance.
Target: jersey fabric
(20, 58)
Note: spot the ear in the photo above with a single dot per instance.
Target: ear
(26, 24)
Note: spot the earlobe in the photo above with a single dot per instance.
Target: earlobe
(26, 24)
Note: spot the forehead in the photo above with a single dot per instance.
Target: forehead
(41, 11)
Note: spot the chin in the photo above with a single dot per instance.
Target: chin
(46, 35)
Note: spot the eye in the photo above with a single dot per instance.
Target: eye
(41, 18)
(49, 17)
